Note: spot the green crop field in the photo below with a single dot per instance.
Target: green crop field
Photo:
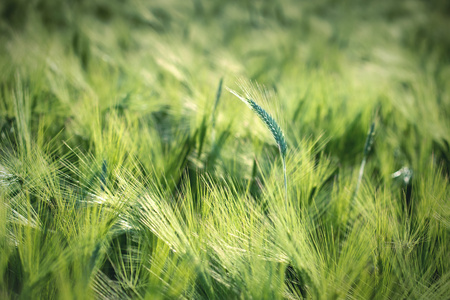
(170, 149)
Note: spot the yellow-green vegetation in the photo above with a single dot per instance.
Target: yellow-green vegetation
(128, 171)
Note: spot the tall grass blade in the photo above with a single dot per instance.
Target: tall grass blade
(213, 114)
(218, 94)
(103, 175)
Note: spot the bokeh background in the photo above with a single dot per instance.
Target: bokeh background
(128, 170)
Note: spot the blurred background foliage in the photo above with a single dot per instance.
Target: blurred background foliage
(126, 174)
(377, 54)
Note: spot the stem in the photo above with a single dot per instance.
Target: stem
(361, 172)
(285, 177)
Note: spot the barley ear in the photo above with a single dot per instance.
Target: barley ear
(272, 125)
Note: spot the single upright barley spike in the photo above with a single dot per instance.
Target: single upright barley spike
(271, 124)
(369, 139)
(274, 128)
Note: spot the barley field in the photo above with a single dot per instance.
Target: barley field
(170, 149)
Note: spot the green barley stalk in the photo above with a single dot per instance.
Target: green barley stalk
(274, 128)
